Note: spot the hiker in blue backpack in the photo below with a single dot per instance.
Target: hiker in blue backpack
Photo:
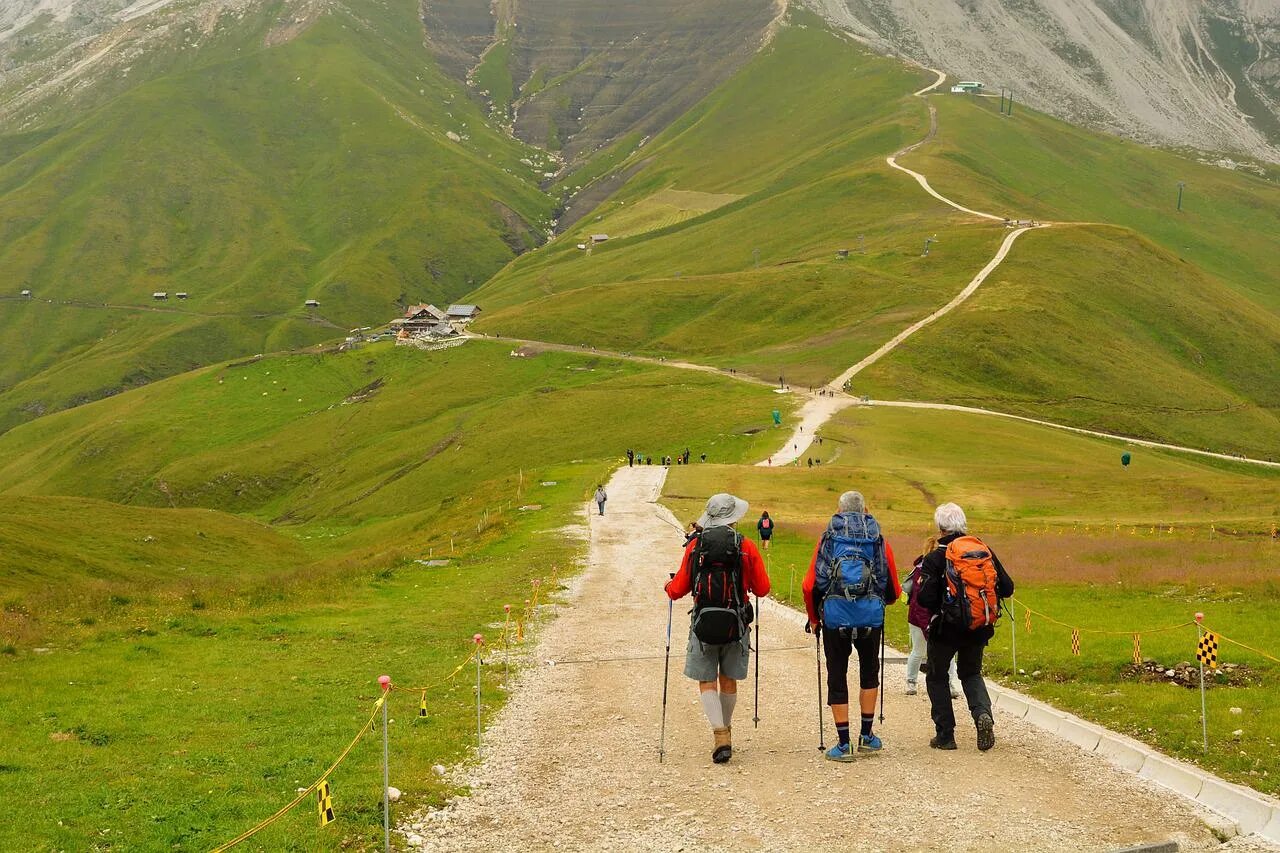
(851, 579)
(722, 568)
(962, 585)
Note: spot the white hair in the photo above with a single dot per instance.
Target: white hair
(853, 502)
(950, 518)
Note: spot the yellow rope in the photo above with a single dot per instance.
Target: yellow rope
(450, 677)
(1222, 636)
(310, 788)
(1125, 633)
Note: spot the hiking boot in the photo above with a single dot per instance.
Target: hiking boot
(986, 731)
(840, 752)
(723, 750)
(911, 688)
(869, 743)
(943, 742)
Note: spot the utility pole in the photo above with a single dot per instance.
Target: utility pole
(1002, 100)
(1180, 186)
(1010, 107)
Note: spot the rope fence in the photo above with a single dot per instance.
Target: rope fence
(513, 631)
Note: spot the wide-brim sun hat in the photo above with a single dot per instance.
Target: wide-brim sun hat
(722, 510)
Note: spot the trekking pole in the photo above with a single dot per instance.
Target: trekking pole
(666, 673)
(817, 655)
(882, 674)
(756, 719)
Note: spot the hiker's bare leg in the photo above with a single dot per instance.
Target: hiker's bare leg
(840, 713)
(867, 701)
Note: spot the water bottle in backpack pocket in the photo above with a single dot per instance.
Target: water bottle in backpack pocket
(856, 574)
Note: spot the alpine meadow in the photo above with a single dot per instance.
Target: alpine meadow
(413, 338)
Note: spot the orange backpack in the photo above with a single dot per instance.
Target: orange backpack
(971, 584)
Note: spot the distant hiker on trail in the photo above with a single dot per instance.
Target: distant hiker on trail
(631, 457)
(765, 528)
(722, 568)
(961, 585)
(810, 461)
(918, 625)
(601, 497)
(851, 579)
(704, 459)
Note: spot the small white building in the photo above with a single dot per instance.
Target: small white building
(599, 238)
(26, 293)
(966, 87)
(160, 294)
(312, 303)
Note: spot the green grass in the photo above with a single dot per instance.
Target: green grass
(1187, 330)
(1033, 165)
(253, 179)
(1089, 543)
(1174, 354)
(202, 679)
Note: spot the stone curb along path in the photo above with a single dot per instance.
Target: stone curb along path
(1248, 812)
(570, 763)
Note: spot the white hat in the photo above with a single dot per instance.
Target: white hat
(722, 510)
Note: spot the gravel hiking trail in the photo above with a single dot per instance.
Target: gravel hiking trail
(571, 762)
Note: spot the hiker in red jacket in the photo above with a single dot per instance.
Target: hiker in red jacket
(722, 568)
(851, 619)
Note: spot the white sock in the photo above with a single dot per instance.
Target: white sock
(711, 706)
(727, 703)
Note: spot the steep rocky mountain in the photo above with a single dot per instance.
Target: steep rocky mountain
(575, 75)
(1199, 73)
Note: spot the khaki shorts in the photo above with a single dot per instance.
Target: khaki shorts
(703, 662)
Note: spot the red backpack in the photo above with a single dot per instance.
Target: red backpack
(971, 600)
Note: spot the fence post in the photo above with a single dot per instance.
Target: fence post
(1013, 637)
(385, 681)
(1204, 718)
(479, 641)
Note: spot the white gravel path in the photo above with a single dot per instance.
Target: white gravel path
(571, 762)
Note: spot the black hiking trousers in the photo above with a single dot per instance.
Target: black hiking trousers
(969, 669)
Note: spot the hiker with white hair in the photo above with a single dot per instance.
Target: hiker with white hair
(850, 580)
(962, 585)
(722, 569)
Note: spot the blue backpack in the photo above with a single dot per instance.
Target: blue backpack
(855, 576)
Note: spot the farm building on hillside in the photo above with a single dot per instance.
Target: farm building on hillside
(424, 311)
(26, 293)
(160, 294)
(312, 303)
(182, 294)
(599, 238)
(463, 313)
(965, 87)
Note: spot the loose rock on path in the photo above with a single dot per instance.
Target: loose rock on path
(571, 763)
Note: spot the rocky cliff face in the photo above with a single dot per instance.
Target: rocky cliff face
(574, 75)
(1200, 73)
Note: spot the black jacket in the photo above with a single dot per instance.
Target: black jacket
(933, 588)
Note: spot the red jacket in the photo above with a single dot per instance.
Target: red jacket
(755, 579)
(811, 579)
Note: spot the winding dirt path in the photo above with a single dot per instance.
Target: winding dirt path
(571, 763)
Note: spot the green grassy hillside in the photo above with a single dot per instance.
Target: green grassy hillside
(317, 168)
(1038, 166)
(380, 445)
(1101, 328)
(136, 639)
(1097, 327)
